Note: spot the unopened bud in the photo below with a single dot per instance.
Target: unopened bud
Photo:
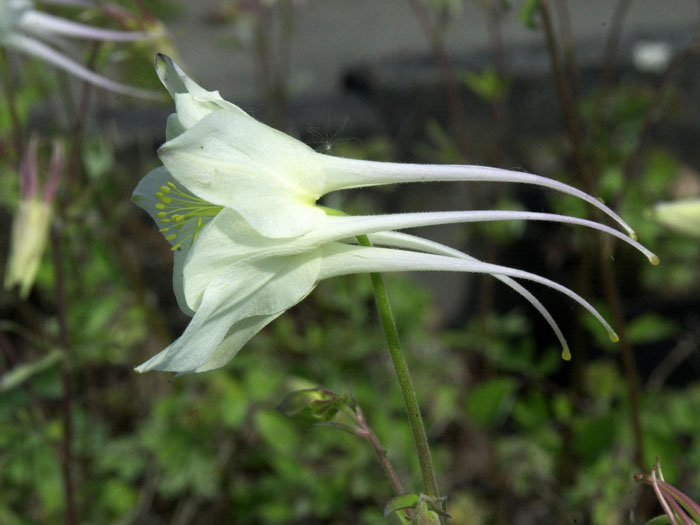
(30, 231)
(682, 215)
(30, 226)
(311, 406)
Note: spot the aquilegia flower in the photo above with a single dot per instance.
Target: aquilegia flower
(237, 200)
(681, 215)
(678, 507)
(28, 30)
(32, 220)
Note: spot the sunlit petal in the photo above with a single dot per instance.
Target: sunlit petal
(232, 160)
(192, 102)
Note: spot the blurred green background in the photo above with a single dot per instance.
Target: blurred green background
(519, 436)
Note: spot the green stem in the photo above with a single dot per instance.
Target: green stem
(404, 376)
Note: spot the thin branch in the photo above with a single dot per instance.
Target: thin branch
(567, 39)
(71, 509)
(9, 89)
(612, 296)
(448, 76)
(688, 344)
(612, 292)
(613, 40)
(566, 99)
(370, 436)
(632, 164)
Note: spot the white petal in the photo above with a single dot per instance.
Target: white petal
(46, 53)
(192, 102)
(38, 23)
(344, 173)
(341, 227)
(179, 258)
(220, 309)
(226, 241)
(232, 160)
(238, 335)
(343, 259)
(202, 336)
(411, 242)
(266, 288)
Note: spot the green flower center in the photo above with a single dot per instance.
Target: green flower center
(187, 213)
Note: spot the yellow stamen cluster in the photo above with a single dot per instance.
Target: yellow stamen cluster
(187, 213)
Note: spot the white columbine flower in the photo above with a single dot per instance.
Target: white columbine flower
(28, 30)
(681, 215)
(237, 200)
(32, 221)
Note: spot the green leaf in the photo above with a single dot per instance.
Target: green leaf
(592, 437)
(23, 372)
(277, 431)
(611, 181)
(602, 380)
(527, 13)
(531, 411)
(561, 406)
(659, 520)
(488, 85)
(401, 502)
(649, 328)
(489, 400)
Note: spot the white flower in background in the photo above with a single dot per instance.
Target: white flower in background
(682, 215)
(27, 30)
(32, 220)
(237, 199)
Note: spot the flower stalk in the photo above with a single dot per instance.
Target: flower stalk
(405, 383)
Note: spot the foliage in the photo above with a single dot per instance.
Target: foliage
(516, 432)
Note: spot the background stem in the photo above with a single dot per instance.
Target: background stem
(368, 434)
(71, 510)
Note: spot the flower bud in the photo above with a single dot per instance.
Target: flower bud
(682, 216)
(30, 226)
(311, 406)
(30, 230)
